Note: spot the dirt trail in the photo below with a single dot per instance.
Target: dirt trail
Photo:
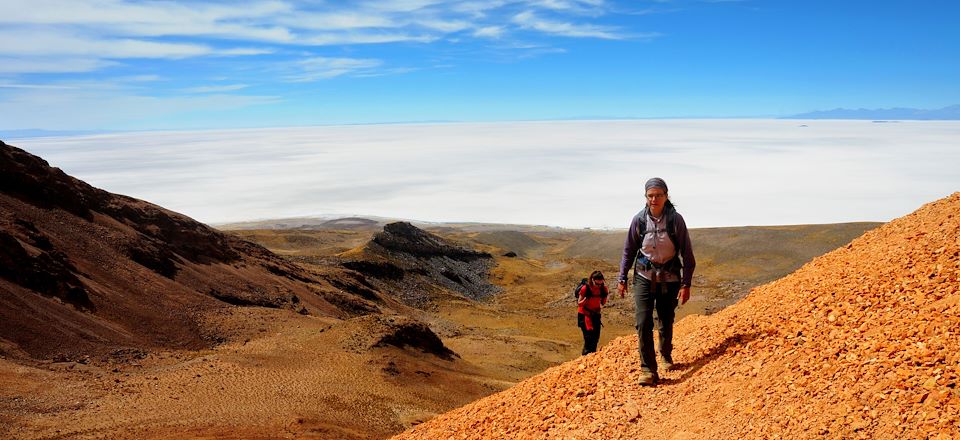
(859, 343)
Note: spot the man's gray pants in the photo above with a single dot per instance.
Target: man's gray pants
(664, 301)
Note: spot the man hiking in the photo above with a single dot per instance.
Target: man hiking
(658, 246)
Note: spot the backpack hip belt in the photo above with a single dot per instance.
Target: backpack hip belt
(644, 263)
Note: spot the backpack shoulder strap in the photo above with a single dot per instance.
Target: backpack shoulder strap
(642, 223)
(671, 215)
(672, 229)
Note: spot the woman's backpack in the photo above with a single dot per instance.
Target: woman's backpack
(584, 282)
(576, 290)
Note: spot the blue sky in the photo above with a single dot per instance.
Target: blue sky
(136, 65)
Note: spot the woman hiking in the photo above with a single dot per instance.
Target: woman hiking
(658, 246)
(590, 299)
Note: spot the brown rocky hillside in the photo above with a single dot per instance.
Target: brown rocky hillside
(87, 273)
(859, 343)
(121, 319)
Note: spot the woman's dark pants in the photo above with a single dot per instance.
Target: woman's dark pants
(664, 301)
(590, 337)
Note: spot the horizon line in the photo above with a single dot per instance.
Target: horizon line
(35, 133)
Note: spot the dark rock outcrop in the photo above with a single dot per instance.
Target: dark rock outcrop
(47, 272)
(380, 331)
(405, 238)
(416, 266)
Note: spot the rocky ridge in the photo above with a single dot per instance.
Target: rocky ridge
(859, 343)
(416, 266)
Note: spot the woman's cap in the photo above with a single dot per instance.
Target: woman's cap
(655, 182)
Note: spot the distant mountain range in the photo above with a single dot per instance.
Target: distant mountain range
(947, 113)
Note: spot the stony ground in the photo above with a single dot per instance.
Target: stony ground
(859, 343)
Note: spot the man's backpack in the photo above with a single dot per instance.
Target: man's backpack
(671, 226)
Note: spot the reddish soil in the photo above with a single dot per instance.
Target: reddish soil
(859, 343)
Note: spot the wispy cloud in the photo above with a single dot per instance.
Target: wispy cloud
(37, 43)
(100, 30)
(35, 86)
(337, 20)
(489, 32)
(348, 38)
(150, 53)
(529, 20)
(23, 65)
(216, 89)
(386, 72)
(585, 7)
(316, 68)
(243, 51)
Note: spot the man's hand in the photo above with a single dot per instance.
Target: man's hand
(684, 295)
(622, 288)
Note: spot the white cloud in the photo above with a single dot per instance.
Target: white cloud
(312, 69)
(73, 36)
(224, 31)
(366, 38)
(339, 20)
(216, 89)
(477, 9)
(529, 20)
(151, 19)
(386, 72)
(240, 51)
(404, 6)
(36, 43)
(35, 86)
(489, 32)
(275, 22)
(20, 65)
(106, 12)
(446, 26)
(587, 7)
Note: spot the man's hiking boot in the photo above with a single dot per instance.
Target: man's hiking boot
(667, 363)
(648, 379)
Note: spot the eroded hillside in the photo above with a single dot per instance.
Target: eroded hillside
(84, 272)
(859, 343)
(121, 319)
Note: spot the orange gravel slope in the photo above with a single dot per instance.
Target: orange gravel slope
(863, 342)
